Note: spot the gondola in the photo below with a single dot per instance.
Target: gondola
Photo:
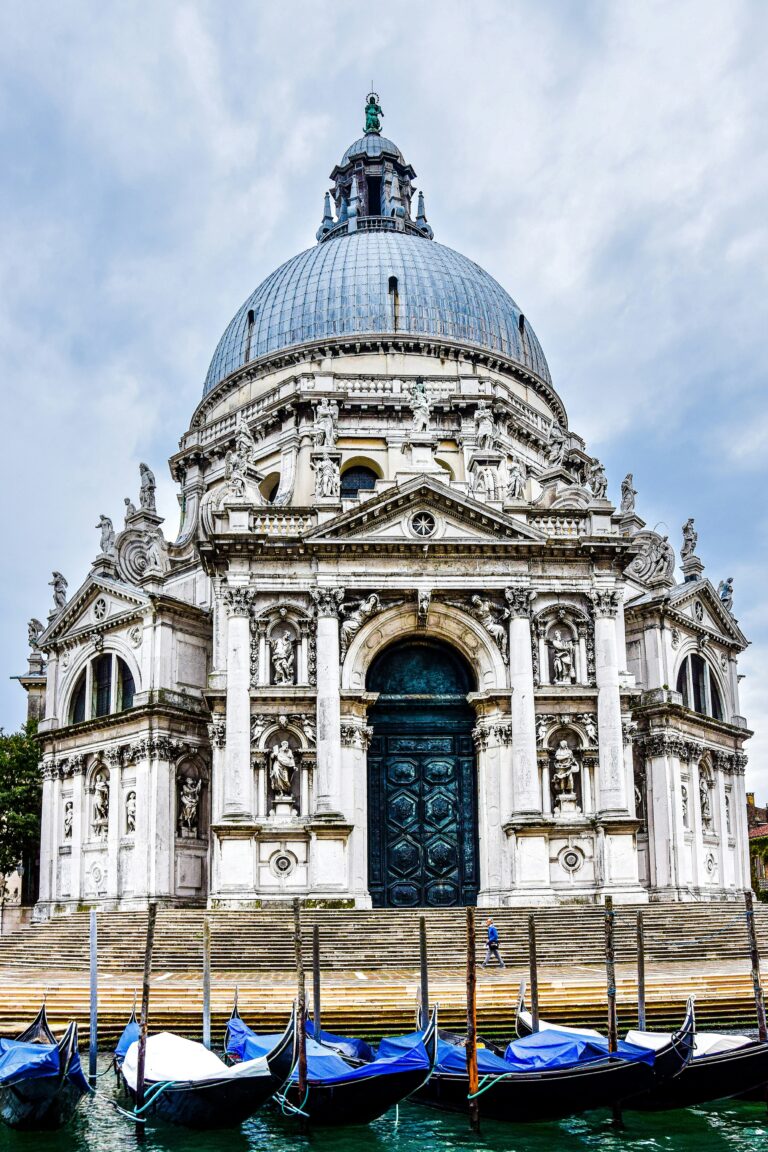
(544, 1078)
(186, 1084)
(350, 1048)
(339, 1093)
(41, 1080)
(127, 1037)
(720, 1066)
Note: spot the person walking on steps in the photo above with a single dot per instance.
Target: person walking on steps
(492, 946)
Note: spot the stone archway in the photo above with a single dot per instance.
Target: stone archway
(422, 779)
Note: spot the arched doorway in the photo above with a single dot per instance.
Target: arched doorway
(422, 788)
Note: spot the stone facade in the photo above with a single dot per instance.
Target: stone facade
(341, 495)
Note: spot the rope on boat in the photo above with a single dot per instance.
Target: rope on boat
(289, 1109)
(155, 1091)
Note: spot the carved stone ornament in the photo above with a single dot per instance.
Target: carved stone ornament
(68, 817)
(605, 602)
(217, 730)
(421, 407)
(516, 475)
(100, 790)
(189, 806)
(327, 601)
(628, 730)
(282, 648)
(485, 427)
(597, 479)
(654, 561)
(325, 428)
(35, 630)
(519, 602)
(675, 637)
(282, 765)
(354, 616)
(130, 813)
(423, 601)
(327, 478)
(237, 600)
(563, 657)
(485, 612)
(356, 735)
(565, 767)
(589, 724)
(259, 725)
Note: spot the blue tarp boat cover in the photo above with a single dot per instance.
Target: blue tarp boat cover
(543, 1051)
(22, 1061)
(324, 1067)
(129, 1036)
(348, 1046)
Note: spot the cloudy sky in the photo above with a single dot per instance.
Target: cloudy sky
(607, 162)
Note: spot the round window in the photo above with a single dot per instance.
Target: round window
(100, 608)
(423, 524)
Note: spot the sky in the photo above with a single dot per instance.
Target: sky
(606, 162)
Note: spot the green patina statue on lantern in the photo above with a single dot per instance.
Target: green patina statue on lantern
(373, 113)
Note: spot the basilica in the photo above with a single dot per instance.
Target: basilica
(408, 647)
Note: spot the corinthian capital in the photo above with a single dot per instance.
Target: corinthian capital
(519, 601)
(605, 602)
(327, 600)
(237, 600)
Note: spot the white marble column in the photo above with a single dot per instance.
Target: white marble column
(78, 833)
(237, 787)
(113, 826)
(49, 834)
(612, 780)
(328, 772)
(162, 830)
(527, 797)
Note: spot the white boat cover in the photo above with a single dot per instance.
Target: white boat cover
(705, 1043)
(171, 1057)
(545, 1026)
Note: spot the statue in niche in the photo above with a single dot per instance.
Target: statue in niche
(35, 630)
(355, 615)
(130, 508)
(283, 659)
(107, 542)
(565, 769)
(728, 824)
(420, 407)
(327, 479)
(485, 482)
(59, 585)
(325, 430)
(189, 806)
(100, 805)
(485, 427)
(563, 658)
(68, 818)
(130, 813)
(147, 490)
(556, 452)
(725, 592)
(684, 802)
(483, 610)
(156, 552)
(281, 768)
(515, 480)
(706, 806)
(628, 494)
(597, 479)
(690, 537)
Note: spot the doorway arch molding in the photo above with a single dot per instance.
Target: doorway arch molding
(446, 623)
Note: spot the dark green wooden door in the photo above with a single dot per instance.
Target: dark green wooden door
(422, 794)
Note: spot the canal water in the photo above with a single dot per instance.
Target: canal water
(98, 1127)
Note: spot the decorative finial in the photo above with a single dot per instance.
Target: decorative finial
(421, 218)
(327, 222)
(373, 114)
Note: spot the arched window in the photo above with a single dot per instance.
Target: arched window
(356, 479)
(697, 684)
(104, 687)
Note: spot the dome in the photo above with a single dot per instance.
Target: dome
(342, 288)
(372, 146)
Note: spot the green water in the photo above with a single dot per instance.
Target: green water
(99, 1128)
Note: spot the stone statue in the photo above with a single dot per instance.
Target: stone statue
(282, 767)
(515, 480)
(597, 479)
(283, 661)
(147, 490)
(309, 730)
(325, 430)
(245, 443)
(628, 494)
(662, 558)
(420, 407)
(483, 610)
(542, 727)
(34, 631)
(130, 812)
(728, 823)
(485, 427)
(189, 803)
(706, 807)
(690, 536)
(355, 616)
(327, 479)
(130, 508)
(259, 725)
(68, 817)
(563, 658)
(101, 801)
(566, 767)
(725, 592)
(107, 536)
(684, 801)
(588, 723)
(373, 113)
(556, 444)
(59, 585)
(234, 473)
(156, 552)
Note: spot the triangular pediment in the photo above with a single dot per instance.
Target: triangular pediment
(402, 514)
(698, 603)
(98, 603)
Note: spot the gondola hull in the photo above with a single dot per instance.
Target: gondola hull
(39, 1105)
(529, 1097)
(355, 1102)
(223, 1104)
(705, 1078)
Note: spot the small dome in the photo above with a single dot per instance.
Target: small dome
(344, 288)
(371, 145)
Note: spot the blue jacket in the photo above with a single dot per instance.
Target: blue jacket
(493, 936)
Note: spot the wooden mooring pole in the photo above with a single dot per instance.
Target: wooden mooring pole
(640, 973)
(424, 1005)
(471, 1049)
(316, 1019)
(534, 972)
(754, 956)
(301, 1004)
(144, 1017)
(93, 1031)
(610, 972)
(206, 982)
